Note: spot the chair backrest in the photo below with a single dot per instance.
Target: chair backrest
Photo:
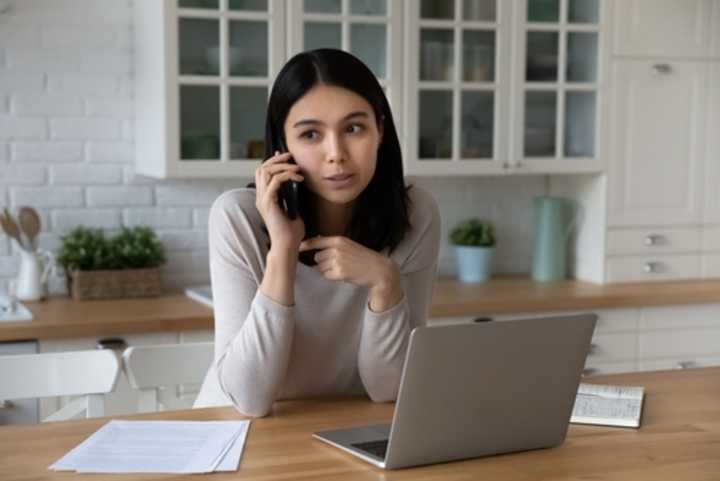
(150, 369)
(89, 374)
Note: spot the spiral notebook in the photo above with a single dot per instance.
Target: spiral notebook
(608, 405)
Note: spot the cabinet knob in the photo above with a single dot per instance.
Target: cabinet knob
(685, 364)
(652, 267)
(662, 68)
(654, 239)
(593, 348)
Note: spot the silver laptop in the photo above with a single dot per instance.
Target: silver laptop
(478, 389)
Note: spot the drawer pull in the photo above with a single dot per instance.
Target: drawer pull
(589, 371)
(685, 364)
(482, 319)
(662, 68)
(654, 239)
(652, 267)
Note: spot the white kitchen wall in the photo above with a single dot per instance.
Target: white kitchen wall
(66, 146)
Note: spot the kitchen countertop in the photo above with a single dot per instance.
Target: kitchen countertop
(63, 318)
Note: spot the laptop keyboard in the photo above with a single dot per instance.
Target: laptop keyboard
(377, 448)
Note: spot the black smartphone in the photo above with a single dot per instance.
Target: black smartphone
(289, 195)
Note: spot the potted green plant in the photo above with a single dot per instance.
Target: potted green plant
(474, 242)
(125, 265)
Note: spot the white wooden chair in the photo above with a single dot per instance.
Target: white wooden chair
(152, 369)
(88, 374)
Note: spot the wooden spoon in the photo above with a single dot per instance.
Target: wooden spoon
(11, 228)
(30, 224)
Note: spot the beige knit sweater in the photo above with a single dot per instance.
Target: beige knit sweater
(329, 342)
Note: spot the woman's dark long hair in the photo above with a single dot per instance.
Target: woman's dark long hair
(380, 217)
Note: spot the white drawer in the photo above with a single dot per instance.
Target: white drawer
(613, 347)
(680, 317)
(710, 266)
(711, 239)
(663, 240)
(655, 268)
(679, 344)
(678, 363)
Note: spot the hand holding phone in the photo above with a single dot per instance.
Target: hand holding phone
(289, 194)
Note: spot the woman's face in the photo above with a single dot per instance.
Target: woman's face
(333, 135)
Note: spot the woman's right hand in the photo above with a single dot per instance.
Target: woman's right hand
(269, 176)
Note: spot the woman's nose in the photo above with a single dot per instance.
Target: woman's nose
(334, 149)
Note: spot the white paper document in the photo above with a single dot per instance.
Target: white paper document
(159, 447)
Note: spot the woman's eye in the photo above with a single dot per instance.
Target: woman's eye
(309, 134)
(354, 128)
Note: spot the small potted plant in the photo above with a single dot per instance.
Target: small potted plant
(126, 265)
(474, 242)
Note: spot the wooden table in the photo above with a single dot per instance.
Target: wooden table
(679, 439)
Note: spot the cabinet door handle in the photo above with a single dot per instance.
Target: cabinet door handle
(662, 68)
(685, 364)
(652, 267)
(116, 343)
(654, 239)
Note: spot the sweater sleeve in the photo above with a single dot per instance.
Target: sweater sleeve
(385, 335)
(253, 333)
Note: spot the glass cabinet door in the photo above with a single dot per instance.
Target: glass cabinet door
(457, 83)
(369, 29)
(559, 85)
(225, 68)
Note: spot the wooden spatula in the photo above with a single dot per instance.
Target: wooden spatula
(30, 224)
(11, 228)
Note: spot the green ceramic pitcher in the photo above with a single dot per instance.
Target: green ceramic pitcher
(554, 219)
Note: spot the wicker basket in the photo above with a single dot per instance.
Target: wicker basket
(115, 284)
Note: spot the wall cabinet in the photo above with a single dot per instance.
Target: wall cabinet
(658, 142)
(663, 204)
(476, 86)
(674, 28)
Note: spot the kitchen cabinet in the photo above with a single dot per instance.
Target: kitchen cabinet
(614, 343)
(712, 164)
(655, 176)
(640, 339)
(504, 87)
(203, 70)
(658, 142)
(671, 28)
(468, 95)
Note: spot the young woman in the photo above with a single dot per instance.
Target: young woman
(323, 304)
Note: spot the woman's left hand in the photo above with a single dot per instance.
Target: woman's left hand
(342, 259)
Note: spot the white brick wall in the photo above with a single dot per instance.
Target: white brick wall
(66, 146)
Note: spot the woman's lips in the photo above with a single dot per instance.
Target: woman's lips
(339, 180)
